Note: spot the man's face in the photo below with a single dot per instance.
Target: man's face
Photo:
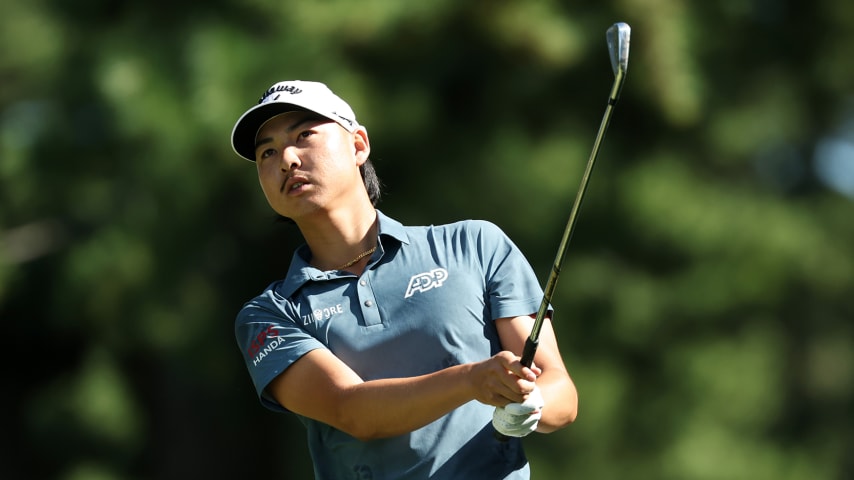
(308, 163)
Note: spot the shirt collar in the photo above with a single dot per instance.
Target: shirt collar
(301, 272)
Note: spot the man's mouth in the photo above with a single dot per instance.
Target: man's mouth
(292, 184)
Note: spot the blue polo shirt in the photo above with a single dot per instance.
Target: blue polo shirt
(426, 301)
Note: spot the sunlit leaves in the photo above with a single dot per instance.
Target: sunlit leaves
(704, 304)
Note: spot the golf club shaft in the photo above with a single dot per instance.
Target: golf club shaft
(534, 339)
(618, 48)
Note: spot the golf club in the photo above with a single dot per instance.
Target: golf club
(618, 47)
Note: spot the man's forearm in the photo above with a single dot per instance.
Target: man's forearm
(394, 406)
(560, 400)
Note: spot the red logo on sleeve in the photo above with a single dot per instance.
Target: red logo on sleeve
(261, 339)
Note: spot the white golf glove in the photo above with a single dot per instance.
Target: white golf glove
(519, 419)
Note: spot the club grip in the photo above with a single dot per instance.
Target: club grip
(529, 352)
(527, 360)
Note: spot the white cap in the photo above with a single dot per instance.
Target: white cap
(284, 97)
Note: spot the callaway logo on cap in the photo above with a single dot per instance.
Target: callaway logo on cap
(286, 97)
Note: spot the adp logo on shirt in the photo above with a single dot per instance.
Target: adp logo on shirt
(426, 281)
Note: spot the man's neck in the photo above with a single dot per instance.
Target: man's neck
(335, 238)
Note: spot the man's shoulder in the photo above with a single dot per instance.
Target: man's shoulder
(474, 229)
(471, 226)
(270, 298)
(466, 225)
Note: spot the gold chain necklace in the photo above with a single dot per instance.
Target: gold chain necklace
(359, 257)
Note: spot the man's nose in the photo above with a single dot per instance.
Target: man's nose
(290, 159)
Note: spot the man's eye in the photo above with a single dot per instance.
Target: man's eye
(306, 134)
(267, 153)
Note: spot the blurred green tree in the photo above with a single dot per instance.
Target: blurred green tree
(704, 310)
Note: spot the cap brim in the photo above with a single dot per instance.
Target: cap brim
(246, 128)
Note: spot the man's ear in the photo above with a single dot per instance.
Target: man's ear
(361, 145)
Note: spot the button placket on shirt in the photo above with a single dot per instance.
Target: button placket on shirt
(367, 300)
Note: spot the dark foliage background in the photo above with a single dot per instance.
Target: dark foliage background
(705, 306)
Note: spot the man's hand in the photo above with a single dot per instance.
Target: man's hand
(519, 419)
(502, 379)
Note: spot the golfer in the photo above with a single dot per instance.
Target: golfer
(396, 346)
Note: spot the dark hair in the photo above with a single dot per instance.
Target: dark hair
(372, 181)
(372, 184)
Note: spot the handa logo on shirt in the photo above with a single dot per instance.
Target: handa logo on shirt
(255, 348)
(426, 281)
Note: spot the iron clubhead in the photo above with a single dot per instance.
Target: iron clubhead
(618, 46)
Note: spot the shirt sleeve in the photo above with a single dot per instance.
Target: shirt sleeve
(511, 284)
(270, 338)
